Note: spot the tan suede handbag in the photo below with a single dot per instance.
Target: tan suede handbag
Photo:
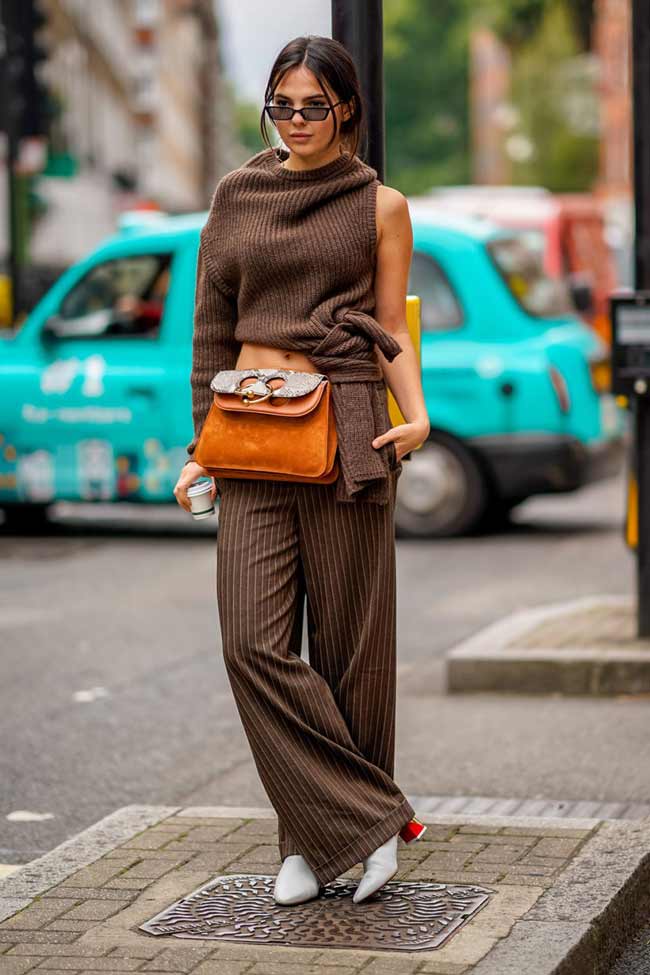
(274, 424)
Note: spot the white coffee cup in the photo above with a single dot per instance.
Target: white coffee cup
(200, 498)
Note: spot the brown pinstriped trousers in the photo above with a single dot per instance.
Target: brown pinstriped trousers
(322, 733)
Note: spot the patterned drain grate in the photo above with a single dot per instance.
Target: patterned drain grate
(240, 907)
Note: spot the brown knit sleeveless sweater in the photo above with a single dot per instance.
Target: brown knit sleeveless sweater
(287, 259)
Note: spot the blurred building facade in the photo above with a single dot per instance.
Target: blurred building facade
(495, 142)
(613, 45)
(490, 108)
(144, 115)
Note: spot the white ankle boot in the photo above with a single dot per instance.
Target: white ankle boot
(378, 868)
(296, 881)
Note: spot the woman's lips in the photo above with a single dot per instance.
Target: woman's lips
(301, 137)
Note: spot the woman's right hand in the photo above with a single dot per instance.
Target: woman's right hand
(189, 474)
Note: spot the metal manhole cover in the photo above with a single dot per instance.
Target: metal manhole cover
(240, 907)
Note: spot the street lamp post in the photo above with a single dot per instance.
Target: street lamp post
(359, 26)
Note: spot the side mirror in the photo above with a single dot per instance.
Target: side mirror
(582, 292)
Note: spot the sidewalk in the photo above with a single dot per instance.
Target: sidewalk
(485, 895)
(584, 646)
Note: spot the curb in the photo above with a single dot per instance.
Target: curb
(487, 661)
(21, 887)
(577, 926)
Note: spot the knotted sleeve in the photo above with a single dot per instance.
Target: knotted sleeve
(213, 342)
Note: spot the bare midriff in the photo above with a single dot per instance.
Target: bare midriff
(253, 355)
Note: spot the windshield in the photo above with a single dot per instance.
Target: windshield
(520, 263)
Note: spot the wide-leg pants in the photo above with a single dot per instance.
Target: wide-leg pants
(322, 732)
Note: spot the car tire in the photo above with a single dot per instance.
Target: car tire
(442, 491)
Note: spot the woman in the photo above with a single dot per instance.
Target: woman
(303, 264)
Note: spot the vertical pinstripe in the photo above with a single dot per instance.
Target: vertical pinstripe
(322, 733)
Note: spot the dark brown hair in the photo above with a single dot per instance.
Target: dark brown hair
(330, 62)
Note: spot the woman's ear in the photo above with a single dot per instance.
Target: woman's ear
(347, 112)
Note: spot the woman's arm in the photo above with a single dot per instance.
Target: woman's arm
(213, 342)
(394, 252)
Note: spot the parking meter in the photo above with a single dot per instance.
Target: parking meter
(630, 317)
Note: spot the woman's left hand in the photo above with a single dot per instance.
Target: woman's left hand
(406, 436)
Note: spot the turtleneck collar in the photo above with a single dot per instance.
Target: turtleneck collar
(341, 164)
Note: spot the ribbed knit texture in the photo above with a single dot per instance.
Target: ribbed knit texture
(287, 259)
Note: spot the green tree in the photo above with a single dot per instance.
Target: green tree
(554, 89)
(426, 86)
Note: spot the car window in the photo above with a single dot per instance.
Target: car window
(440, 310)
(123, 296)
(521, 267)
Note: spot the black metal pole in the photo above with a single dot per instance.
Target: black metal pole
(641, 401)
(359, 26)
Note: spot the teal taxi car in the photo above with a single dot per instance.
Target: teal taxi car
(516, 385)
(95, 400)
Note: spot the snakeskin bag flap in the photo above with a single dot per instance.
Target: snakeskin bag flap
(275, 424)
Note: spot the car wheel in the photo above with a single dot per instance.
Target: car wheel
(441, 491)
(25, 517)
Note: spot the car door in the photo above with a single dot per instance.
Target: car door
(93, 425)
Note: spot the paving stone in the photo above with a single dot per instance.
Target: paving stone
(526, 870)
(461, 843)
(265, 827)
(458, 848)
(81, 893)
(517, 878)
(94, 910)
(221, 967)
(523, 843)
(281, 968)
(263, 854)
(209, 834)
(89, 951)
(275, 953)
(17, 965)
(181, 959)
(548, 847)
(77, 962)
(189, 821)
(401, 963)
(98, 873)
(132, 885)
(437, 831)
(342, 957)
(497, 854)
(165, 854)
(442, 968)
(498, 868)
(147, 949)
(449, 876)
(545, 831)
(553, 862)
(37, 915)
(151, 869)
(62, 925)
(486, 830)
(152, 839)
(42, 937)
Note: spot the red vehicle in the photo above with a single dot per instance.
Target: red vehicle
(567, 229)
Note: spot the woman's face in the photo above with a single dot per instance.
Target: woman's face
(299, 89)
